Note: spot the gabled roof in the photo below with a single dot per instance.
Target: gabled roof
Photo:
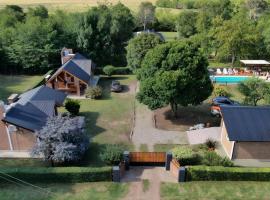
(78, 66)
(34, 107)
(246, 123)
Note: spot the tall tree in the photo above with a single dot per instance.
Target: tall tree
(175, 74)
(186, 23)
(254, 90)
(61, 140)
(138, 47)
(146, 14)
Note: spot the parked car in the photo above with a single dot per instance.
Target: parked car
(221, 101)
(116, 86)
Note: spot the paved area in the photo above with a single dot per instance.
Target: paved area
(15, 154)
(200, 136)
(252, 163)
(155, 176)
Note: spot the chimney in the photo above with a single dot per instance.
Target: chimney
(2, 110)
(66, 55)
(12, 98)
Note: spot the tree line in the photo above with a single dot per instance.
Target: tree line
(30, 42)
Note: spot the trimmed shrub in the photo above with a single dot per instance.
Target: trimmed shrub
(218, 173)
(185, 155)
(59, 174)
(94, 92)
(72, 106)
(109, 70)
(112, 154)
(211, 158)
(221, 91)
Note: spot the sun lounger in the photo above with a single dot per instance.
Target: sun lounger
(219, 71)
(225, 72)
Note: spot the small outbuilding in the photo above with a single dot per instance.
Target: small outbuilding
(245, 132)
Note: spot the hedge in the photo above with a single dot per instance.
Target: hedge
(117, 70)
(59, 174)
(219, 173)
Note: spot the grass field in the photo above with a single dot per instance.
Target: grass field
(70, 5)
(215, 190)
(78, 191)
(169, 36)
(16, 84)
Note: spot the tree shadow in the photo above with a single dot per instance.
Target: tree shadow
(126, 89)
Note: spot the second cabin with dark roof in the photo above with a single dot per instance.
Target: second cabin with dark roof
(245, 132)
(75, 75)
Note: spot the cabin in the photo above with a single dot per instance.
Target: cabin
(25, 114)
(75, 75)
(245, 132)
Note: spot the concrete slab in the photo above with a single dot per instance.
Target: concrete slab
(200, 136)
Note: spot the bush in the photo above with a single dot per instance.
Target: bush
(94, 92)
(185, 155)
(72, 106)
(211, 158)
(109, 70)
(59, 174)
(211, 144)
(112, 154)
(221, 91)
(218, 173)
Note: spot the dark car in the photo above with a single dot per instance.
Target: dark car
(221, 101)
(116, 86)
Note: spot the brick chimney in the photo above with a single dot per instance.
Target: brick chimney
(66, 55)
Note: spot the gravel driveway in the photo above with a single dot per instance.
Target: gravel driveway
(200, 136)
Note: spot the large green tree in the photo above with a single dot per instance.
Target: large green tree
(103, 33)
(138, 47)
(186, 23)
(175, 74)
(254, 90)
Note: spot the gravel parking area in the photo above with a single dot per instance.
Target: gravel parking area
(200, 136)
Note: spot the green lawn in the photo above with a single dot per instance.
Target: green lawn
(164, 147)
(78, 191)
(109, 119)
(16, 84)
(169, 36)
(215, 190)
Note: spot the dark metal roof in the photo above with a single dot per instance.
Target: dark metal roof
(34, 107)
(78, 66)
(245, 123)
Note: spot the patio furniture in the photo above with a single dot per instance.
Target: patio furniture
(225, 72)
(219, 71)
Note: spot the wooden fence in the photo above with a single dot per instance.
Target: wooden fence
(174, 168)
(147, 157)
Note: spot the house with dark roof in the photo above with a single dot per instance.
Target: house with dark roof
(27, 114)
(245, 132)
(75, 75)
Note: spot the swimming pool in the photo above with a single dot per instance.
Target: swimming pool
(228, 79)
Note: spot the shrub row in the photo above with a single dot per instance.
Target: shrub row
(218, 173)
(117, 70)
(59, 174)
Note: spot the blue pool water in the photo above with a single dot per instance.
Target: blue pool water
(228, 79)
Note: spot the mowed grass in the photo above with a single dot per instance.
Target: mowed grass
(78, 191)
(16, 84)
(215, 190)
(169, 36)
(70, 5)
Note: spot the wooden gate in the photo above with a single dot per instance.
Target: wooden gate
(147, 158)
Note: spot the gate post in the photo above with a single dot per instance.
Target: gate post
(126, 159)
(116, 174)
(168, 160)
(182, 174)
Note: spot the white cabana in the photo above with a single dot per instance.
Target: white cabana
(255, 63)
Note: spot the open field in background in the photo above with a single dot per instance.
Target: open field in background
(70, 5)
(77, 191)
(215, 190)
(16, 84)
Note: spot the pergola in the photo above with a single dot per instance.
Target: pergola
(255, 63)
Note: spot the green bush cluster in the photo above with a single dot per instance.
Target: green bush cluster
(109, 70)
(199, 155)
(116, 70)
(59, 174)
(72, 106)
(218, 173)
(112, 154)
(221, 91)
(94, 92)
(185, 155)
